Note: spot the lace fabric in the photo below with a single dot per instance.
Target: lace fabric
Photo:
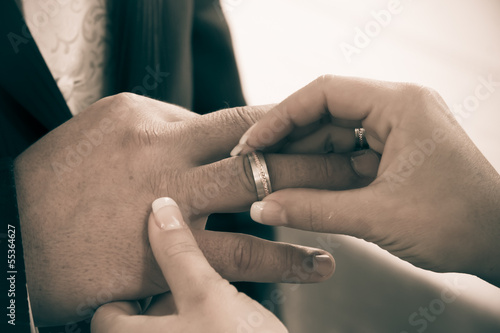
(73, 39)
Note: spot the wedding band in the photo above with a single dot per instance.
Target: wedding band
(359, 135)
(260, 174)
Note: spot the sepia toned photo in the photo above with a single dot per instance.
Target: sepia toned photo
(250, 166)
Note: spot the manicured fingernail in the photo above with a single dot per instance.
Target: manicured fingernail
(244, 137)
(237, 150)
(365, 163)
(167, 214)
(268, 212)
(323, 264)
(242, 147)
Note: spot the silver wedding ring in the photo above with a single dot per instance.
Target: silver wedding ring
(359, 135)
(260, 174)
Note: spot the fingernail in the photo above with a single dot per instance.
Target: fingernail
(365, 163)
(323, 264)
(167, 214)
(244, 137)
(242, 145)
(273, 212)
(237, 150)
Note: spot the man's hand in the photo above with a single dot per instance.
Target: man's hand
(84, 194)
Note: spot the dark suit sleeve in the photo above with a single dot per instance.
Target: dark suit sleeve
(216, 79)
(14, 316)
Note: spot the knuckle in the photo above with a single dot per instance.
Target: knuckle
(416, 93)
(327, 167)
(197, 196)
(148, 133)
(289, 256)
(115, 105)
(325, 79)
(246, 256)
(123, 97)
(337, 173)
(237, 119)
(428, 92)
(183, 248)
(128, 107)
(314, 216)
(144, 132)
(409, 88)
(420, 99)
(243, 117)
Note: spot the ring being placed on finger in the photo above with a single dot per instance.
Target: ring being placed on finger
(260, 174)
(359, 135)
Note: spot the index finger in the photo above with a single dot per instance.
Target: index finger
(185, 268)
(342, 97)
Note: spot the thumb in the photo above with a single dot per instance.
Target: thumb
(353, 212)
(185, 268)
(111, 316)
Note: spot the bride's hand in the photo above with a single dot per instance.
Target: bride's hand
(435, 201)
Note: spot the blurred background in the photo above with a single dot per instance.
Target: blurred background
(451, 46)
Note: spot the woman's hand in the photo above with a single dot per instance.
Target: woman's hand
(436, 199)
(200, 300)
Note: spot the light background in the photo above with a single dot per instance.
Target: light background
(281, 45)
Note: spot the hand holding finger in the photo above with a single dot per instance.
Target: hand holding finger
(202, 299)
(229, 185)
(340, 97)
(430, 183)
(184, 266)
